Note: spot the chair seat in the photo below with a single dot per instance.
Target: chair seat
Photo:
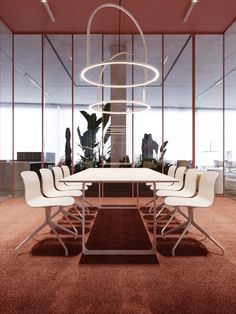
(182, 193)
(77, 185)
(173, 187)
(42, 201)
(196, 201)
(55, 193)
(161, 184)
(63, 187)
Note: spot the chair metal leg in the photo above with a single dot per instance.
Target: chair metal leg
(59, 239)
(152, 207)
(66, 214)
(75, 234)
(161, 210)
(165, 215)
(207, 236)
(169, 221)
(148, 203)
(181, 237)
(31, 236)
(78, 208)
(174, 229)
(69, 221)
(87, 202)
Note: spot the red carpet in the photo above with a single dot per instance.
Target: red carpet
(42, 280)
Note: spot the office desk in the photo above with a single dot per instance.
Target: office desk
(118, 175)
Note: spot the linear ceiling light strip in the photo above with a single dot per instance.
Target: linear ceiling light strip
(49, 12)
(190, 9)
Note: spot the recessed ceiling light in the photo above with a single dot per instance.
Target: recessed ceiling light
(49, 12)
(190, 9)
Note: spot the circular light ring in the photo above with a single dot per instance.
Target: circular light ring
(145, 66)
(142, 107)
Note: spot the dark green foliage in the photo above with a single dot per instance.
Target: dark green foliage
(68, 159)
(155, 163)
(162, 150)
(88, 140)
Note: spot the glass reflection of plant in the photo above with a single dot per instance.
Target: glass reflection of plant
(147, 160)
(88, 140)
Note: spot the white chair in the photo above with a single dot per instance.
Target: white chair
(171, 173)
(34, 198)
(176, 186)
(61, 186)
(50, 191)
(204, 198)
(189, 190)
(66, 173)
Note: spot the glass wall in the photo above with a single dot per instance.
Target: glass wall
(230, 111)
(148, 136)
(87, 124)
(6, 113)
(27, 106)
(209, 105)
(178, 97)
(51, 104)
(57, 72)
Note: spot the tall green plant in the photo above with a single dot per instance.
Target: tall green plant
(68, 148)
(88, 140)
(162, 150)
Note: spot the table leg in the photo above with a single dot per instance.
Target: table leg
(137, 195)
(154, 218)
(99, 195)
(83, 218)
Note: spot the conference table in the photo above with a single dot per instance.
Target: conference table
(118, 175)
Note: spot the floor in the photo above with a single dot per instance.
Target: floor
(42, 280)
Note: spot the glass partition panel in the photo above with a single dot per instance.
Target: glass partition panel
(118, 135)
(28, 108)
(230, 111)
(209, 104)
(57, 99)
(87, 135)
(148, 125)
(5, 112)
(178, 98)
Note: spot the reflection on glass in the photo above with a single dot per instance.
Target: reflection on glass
(57, 96)
(27, 80)
(148, 125)
(230, 111)
(119, 135)
(87, 125)
(178, 98)
(5, 112)
(209, 105)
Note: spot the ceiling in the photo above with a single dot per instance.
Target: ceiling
(154, 16)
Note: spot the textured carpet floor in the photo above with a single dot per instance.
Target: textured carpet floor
(42, 280)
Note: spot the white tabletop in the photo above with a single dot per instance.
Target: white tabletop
(119, 175)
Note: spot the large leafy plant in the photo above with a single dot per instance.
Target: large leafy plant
(88, 140)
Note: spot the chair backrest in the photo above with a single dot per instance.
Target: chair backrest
(179, 174)
(171, 171)
(207, 185)
(31, 185)
(190, 183)
(58, 175)
(65, 170)
(47, 180)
